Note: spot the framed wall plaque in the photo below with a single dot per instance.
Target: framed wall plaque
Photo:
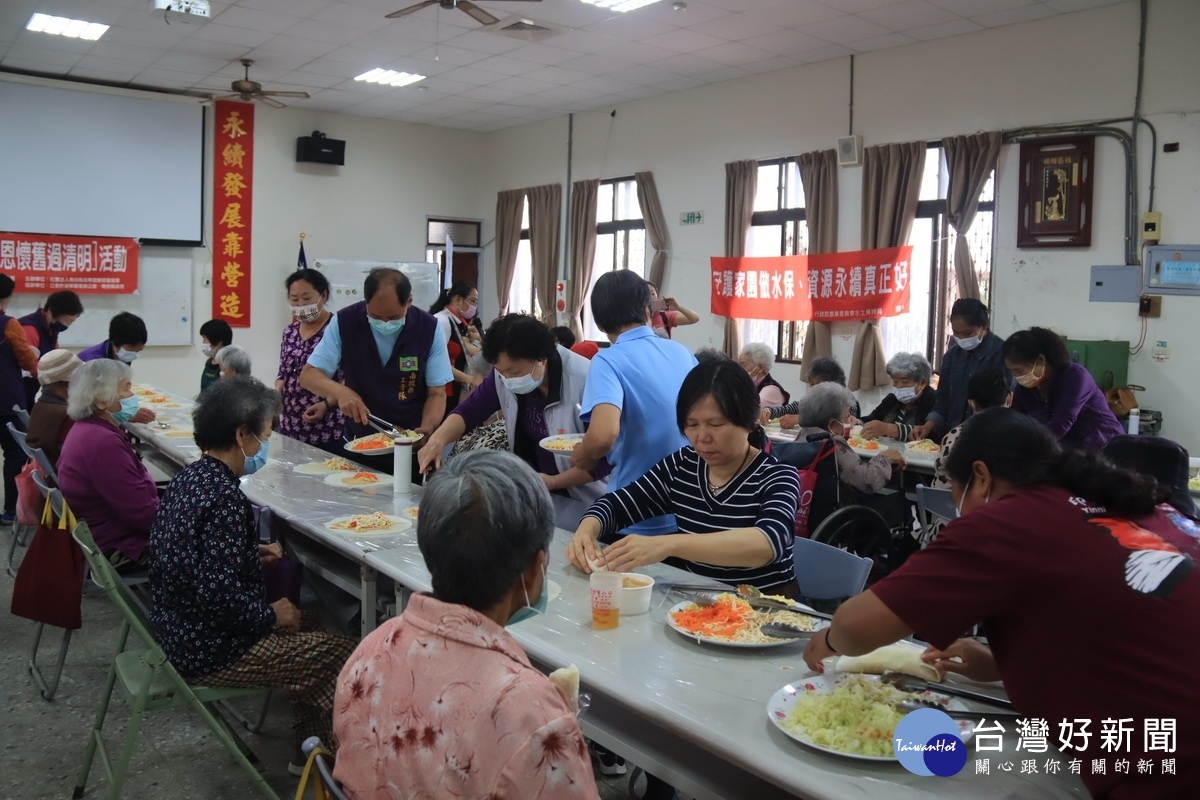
(1055, 197)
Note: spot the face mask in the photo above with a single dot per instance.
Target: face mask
(470, 311)
(309, 313)
(129, 407)
(128, 356)
(970, 343)
(906, 395)
(533, 609)
(58, 327)
(1030, 379)
(524, 384)
(257, 461)
(958, 508)
(386, 327)
(206, 350)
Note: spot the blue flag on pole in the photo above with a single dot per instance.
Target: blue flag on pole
(301, 261)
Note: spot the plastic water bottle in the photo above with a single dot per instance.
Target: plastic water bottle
(1135, 420)
(402, 467)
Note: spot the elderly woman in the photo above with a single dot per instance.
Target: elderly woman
(444, 683)
(911, 400)
(758, 359)
(206, 576)
(1046, 538)
(101, 477)
(538, 385)
(739, 500)
(1060, 394)
(234, 361)
(49, 422)
(823, 370)
(826, 409)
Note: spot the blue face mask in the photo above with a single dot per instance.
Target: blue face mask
(257, 461)
(129, 407)
(386, 327)
(534, 609)
(906, 395)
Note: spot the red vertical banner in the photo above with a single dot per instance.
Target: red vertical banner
(233, 199)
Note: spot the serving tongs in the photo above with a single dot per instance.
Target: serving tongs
(391, 430)
(911, 683)
(706, 595)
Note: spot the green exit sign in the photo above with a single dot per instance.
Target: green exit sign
(691, 218)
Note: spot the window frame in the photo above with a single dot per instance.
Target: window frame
(788, 219)
(620, 230)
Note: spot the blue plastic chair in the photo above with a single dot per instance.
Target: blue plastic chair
(933, 504)
(825, 572)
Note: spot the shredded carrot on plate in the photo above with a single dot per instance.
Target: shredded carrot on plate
(724, 618)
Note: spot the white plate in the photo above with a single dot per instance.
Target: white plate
(741, 645)
(410, 512)
(338, 479)
(870, 453)
(779, 708)
(319, 468)
(378, 451)
(573, 438)
(398, 526)
(177, 433)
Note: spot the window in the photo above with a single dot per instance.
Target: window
(522, 296)
(465, 235)
(778, 228)
(620, 239)
(926, 327)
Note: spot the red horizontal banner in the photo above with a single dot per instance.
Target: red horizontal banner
(828, 287)
(40, 263)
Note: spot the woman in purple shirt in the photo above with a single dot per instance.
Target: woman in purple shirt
(1060, 394)
(101, 477)
(306, 417)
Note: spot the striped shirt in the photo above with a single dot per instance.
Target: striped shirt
(763, 496)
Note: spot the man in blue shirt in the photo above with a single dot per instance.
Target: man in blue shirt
(975, 350)
(629, 400)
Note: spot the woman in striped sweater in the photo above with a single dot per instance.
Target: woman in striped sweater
(735, 505)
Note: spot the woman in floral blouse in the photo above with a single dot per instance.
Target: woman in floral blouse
(442, 701)
(305, 416)
(206, 571)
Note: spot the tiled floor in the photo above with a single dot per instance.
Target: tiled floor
(176, 756)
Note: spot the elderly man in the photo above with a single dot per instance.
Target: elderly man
(899, 415)
(444, 683)
(393, 358)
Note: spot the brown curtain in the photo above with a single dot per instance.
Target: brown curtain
(509, 206)
(583, 247)
(545, 223)
(969, 161)
(819, 176)
(656, 226)
(891, 188)
(741, 183)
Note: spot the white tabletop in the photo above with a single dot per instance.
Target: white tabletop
(175, 413)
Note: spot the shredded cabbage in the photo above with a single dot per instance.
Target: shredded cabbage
(859, 716)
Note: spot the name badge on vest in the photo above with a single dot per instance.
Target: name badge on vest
(408, 383)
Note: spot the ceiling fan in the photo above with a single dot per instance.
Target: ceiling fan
(467, 6)
(248, 90)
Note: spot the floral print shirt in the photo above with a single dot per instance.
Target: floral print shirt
(442, 702)
(293, 355)
(205, 574)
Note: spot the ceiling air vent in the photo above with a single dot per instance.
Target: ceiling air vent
(525, 29)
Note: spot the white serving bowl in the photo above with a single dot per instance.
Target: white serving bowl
(636, 600)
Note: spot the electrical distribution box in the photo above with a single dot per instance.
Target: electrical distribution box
(1172, 269)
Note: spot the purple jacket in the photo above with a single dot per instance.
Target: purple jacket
(1073, 409)
(106, 485)
(96, 351)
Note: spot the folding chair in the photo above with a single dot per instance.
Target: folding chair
(324, 769)
(22, 415)
(48, 688)
(933, 504)
(21, 534)
(151, 683)
(827, 573)
(44, 466)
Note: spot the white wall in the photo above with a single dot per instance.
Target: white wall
(1069, 68)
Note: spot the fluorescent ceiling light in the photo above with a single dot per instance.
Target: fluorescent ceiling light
(61, 26)
(620, 5)
(388, 77)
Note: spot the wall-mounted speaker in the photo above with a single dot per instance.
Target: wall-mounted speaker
(320, 149)
(849, 150)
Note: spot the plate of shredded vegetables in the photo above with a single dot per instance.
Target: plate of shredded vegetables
(360, 479)
(561, 443)
(732, 622)
(849, 715)
(328, 466)
(376, 524)
(374, 445)
(866, 447)
(923, 446)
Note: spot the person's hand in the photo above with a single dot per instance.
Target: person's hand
(789, 421)
(473, 334)
(580, 459)
(896, 457)
(818, 650)
(287, 616)
(920, 432)
(353, 406)
(671, 304)
(637, 551)
(876, 429)
(968, 657)
(315, 413)
(429, 457)
(764, 416)
(583, 547)
(143, 415)
(551, 481)
(270, 554)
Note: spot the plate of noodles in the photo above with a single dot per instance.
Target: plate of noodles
(327, 467)
(853, 716)
(359, 479)
(731, 622)
(375, 524)
(561, 444)
(866, 447)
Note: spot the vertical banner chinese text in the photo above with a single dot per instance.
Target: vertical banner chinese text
(41, 263)
(828, 287)
(233, 178)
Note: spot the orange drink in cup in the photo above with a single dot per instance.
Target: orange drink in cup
(606, 600)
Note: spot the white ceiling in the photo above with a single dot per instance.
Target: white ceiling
(479, 80)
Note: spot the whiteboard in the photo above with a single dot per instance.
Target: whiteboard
(163, 301)
(346, 280)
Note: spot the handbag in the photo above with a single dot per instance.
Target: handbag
(28, 496)
(312, 774)
(49, 583)
(808, 486)
(1122, 400)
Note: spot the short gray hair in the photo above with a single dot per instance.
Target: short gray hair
(761, 354)
(94, 382)
(478, 365)
(910, 365)
(235, 359)
(483, 517)
(824, 402)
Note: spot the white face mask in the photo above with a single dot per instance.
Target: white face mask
(308, 313)
(524, 384)
(967, 488)
(970, 343)
(128, 356)
(207, 350)
(905, 395)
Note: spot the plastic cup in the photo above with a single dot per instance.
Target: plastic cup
(606, 600)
